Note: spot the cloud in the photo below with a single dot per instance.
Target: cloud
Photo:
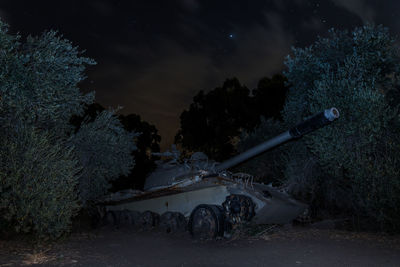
(103, 8)
(164, 90)
(191, 5)
(283, 5)
(359, 7)
(4, 16)
(171, 73)
(159, 91)
(313, 24)
(260, 52)
(177, 77)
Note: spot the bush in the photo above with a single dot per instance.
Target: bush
(269, 166)
(39, 80)
(38, 178)
(40, 159)
(38, 173)
(104, 151)
(355, 73)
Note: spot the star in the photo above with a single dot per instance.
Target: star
(231, 36)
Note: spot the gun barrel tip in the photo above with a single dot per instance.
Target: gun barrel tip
(332, 114)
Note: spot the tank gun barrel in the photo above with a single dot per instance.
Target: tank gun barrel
(317, 121)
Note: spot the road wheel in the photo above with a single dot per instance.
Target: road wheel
(238, 209)
(125, 218)
(173, 221)
(206, 222)
(149, 219)
(111, 218)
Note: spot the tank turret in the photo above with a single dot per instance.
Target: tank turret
(173, 172)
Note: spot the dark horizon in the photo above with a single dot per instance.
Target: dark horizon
(154, 56)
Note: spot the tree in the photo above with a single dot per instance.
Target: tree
(147, 141)
(351, 165)
(89, 115)
(269, 96)
(41, 162)
(39, 80)
(38, 94)
(104, 150)
(215, 119)
(38, 178)
(269, 166)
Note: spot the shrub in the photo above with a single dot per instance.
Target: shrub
(355, 73)
(40, 159)
(39, 80)
(38, 178)
(269, 166)
(104, 151)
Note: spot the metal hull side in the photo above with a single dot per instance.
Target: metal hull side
(183, 202)
(277, 211)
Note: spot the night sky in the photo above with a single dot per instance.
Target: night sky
(154, 56)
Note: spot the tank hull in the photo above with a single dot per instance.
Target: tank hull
(271, 205)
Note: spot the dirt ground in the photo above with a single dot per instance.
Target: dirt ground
(281, 247)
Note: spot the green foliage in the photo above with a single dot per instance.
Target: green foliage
(40, 160)
(353, 72)
(38, 176)
(269, 96)
(38, 173)
(148, 141)
(104, 149)
(269, 166)
(38, 80)
(215, 119)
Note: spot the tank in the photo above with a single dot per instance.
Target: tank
(212, 199)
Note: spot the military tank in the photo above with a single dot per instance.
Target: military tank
(208, 195)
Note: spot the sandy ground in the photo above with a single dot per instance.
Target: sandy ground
(283, 247)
